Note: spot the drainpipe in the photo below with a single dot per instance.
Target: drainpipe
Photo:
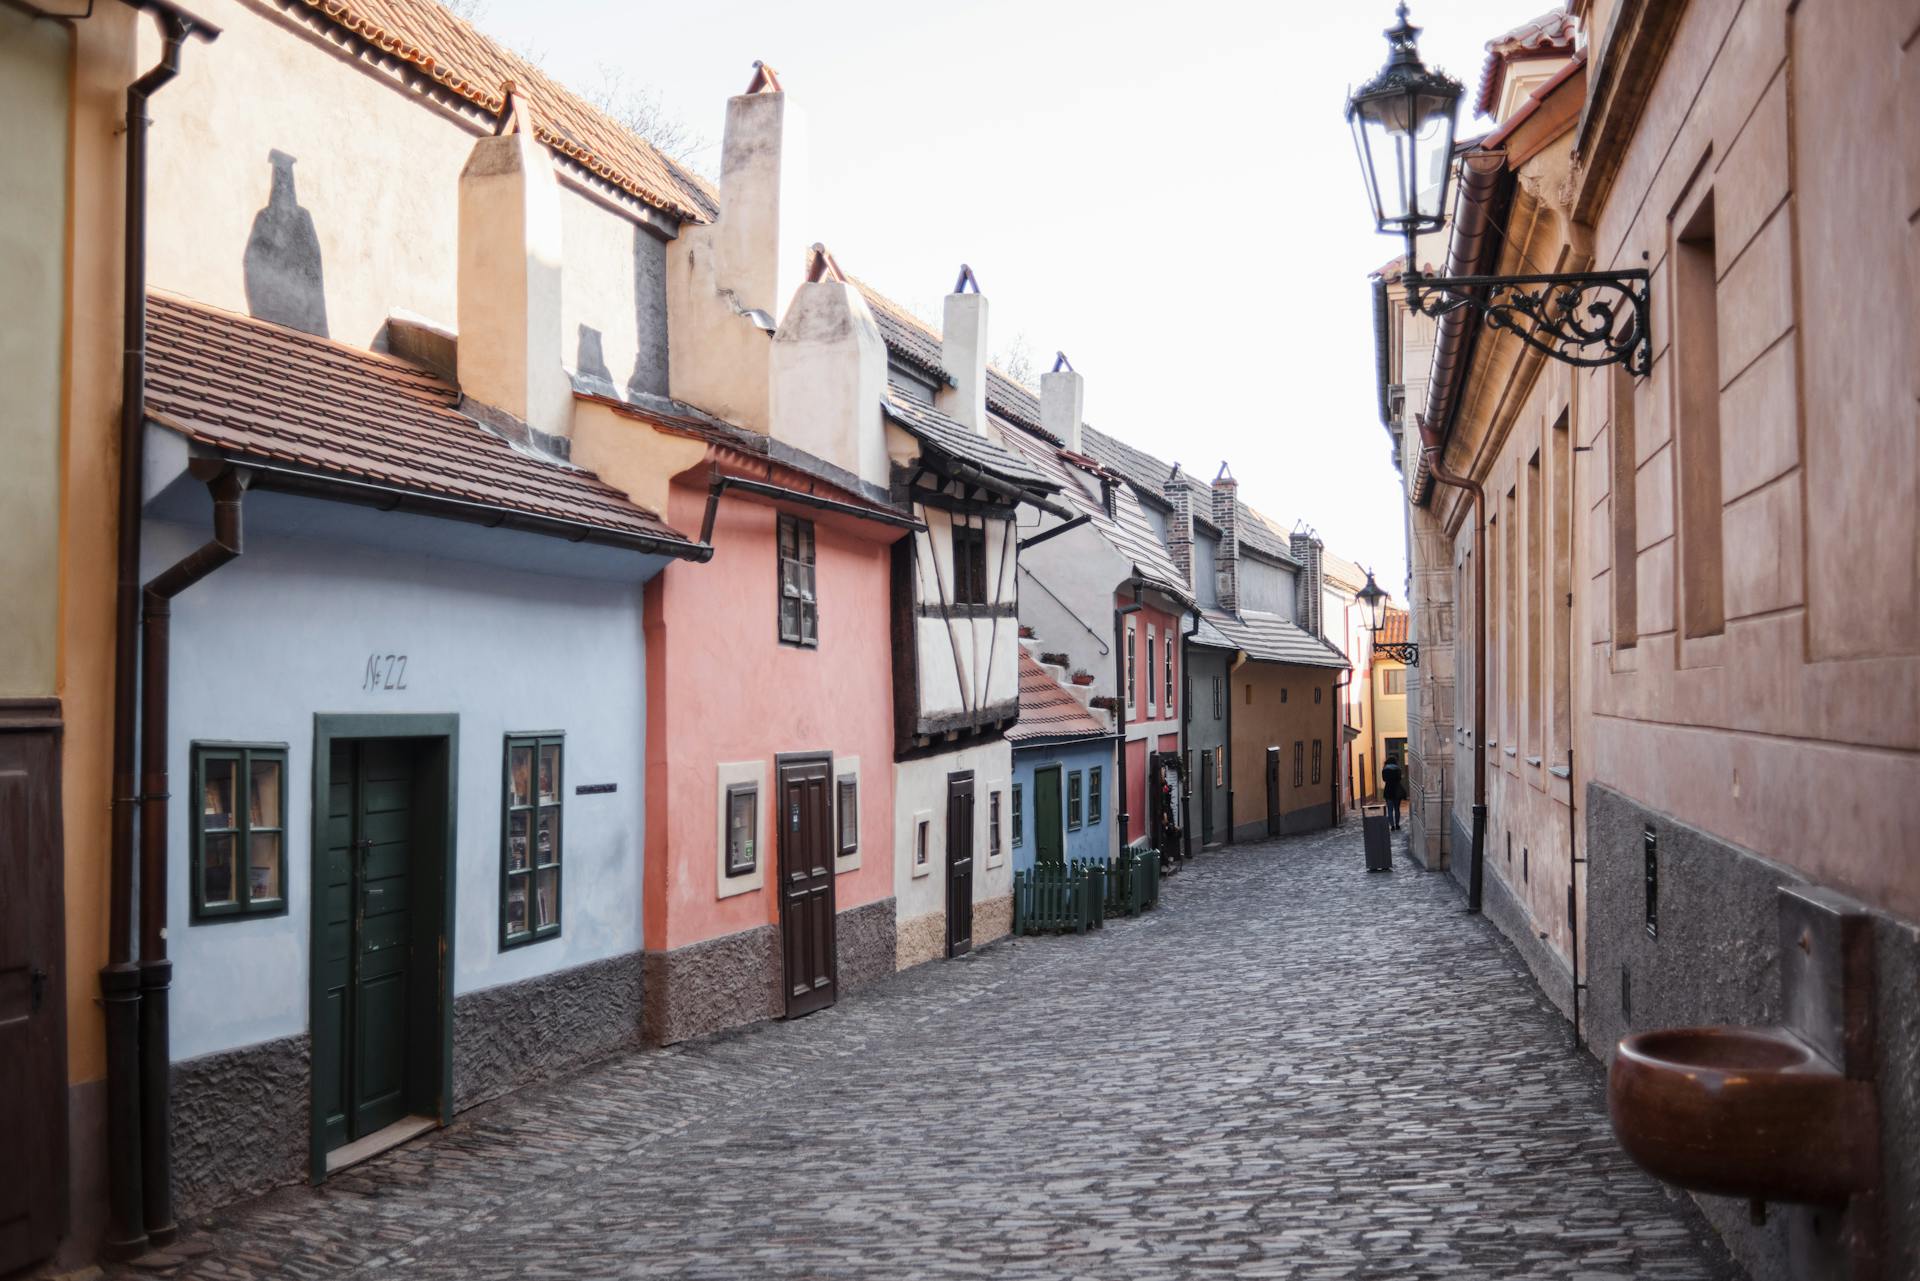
(156, 971)
(120, 979)
(1338, 741)
(1430, 448)
(1120, 653)
(1233, 668)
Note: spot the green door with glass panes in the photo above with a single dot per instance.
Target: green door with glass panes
(368, 959)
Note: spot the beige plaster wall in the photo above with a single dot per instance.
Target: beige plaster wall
(1794, 733)
(35, 63)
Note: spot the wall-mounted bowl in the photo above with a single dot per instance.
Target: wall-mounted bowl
(1742, 1111)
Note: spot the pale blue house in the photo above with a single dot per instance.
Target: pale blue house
(1062, 800)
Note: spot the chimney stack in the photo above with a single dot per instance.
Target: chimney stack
(1226, 515)
(963, 353)
(1063, 396)
(508, 282)
(1309, 550)
(729, 281)
(1180, 524)
(828, 375)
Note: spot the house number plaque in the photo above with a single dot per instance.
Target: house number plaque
(384, 672)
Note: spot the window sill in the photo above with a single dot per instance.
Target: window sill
(1511, 751)
(1560, 771)
(1533, 760)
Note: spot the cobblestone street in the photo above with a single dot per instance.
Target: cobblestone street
(1292, 1069)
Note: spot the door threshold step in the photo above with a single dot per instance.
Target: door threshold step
(372, 1145)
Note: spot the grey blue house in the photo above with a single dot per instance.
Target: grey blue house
(1062, 800)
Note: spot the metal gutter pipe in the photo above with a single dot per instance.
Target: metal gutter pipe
(1056, 531)
(156, 971)
(721, 484)
(127, 1235)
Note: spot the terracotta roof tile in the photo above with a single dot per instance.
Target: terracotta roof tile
(1549, 35)
(457, 56)
(1393, 627)
(255, 390)
(1048, 710)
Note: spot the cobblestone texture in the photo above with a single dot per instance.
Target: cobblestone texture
(1291, 1069)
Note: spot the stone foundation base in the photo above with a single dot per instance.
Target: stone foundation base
(518, 1033)
(242, 1123)
(866, 942)
(924, 938)
(992, 919)
(707, 987)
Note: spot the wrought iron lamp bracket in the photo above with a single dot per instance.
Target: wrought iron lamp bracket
(1407, 652)
(1590, 319)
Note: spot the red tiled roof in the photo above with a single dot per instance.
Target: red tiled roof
(1549, 35)
(1048, 710)
(258, 391)
(1393, 627)
(449, 50)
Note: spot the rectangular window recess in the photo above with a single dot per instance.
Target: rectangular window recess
(531, 828)
(237, 840)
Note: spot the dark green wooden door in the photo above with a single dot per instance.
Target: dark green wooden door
(1049, 838)
(368, 956)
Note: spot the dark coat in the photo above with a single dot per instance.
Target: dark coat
(1390, 784)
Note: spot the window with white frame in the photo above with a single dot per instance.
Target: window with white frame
(1152, 636)
(1166, 665)
(1133, 700)
(799, 608)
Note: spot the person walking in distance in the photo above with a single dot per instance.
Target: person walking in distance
(1391, 789)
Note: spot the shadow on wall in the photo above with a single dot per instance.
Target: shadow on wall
(591, 361)
(282, 264)
(650, 314)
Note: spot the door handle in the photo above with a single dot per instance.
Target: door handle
(37, 986)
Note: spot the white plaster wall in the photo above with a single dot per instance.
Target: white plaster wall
(827, 377)
(614, 301)
(920, 786)
(987, 671)
(1082, 569)
(284, 632)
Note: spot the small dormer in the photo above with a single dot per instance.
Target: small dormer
(1522, 60)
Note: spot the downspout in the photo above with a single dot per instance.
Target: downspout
(120, 980)
(1430, 449)
(1239, 659)
(1120, 653)
(1339, 746)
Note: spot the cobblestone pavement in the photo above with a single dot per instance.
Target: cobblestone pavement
(1292, 1069)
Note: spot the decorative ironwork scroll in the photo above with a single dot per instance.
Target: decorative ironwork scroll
(1589, 318)
(1407, 652)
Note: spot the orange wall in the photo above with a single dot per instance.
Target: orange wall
(720, 687)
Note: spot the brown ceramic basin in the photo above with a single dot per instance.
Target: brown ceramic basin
(1742, 1111)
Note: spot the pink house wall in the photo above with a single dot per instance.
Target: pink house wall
(722, 688)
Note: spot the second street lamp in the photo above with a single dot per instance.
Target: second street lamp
(1403, 123)
(1374, 602)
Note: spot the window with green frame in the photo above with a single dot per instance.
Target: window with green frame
(1093, 797)
(239, 837)
(1018, 826)
(530, 831)
(1073, 800)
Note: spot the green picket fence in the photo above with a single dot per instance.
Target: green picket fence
(1059, 897)
(1133, 883)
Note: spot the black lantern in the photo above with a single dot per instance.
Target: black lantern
(1402, 123)
(1373, 603)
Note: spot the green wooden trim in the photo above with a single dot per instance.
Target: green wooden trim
(538, 742)
(443, 770)
(242, 908)
(1018, 817)
(1094, 810)
(1076, 800)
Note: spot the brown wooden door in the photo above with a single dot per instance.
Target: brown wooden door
(959, 863)
(806, 883)
(33, 1050)
(1273, 791)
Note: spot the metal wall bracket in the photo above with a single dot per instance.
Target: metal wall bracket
(1407, 652)
(1588, 319)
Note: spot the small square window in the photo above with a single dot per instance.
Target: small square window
(1093, 796)
(1283, 693)
(849, 806)
(1019, 825)
(993, 825)
(530, 839)
(239, 837)
(1073, 801)
(743, 825)
(920, 834)
(969, 565)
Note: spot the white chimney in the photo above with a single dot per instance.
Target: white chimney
(1063, 394)
(963, 353)
(828, 376)
(509, 352)
(729, 281)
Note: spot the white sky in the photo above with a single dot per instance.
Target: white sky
(1166, 192)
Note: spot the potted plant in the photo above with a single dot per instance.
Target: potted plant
(1082, 677)
(1026, 632)
(1105, 702)
(1054, 659)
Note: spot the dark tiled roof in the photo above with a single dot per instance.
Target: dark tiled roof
(254, 390)
(908, 338)
(1206, 635)
(1016, 403)
(449, 50)
(1265, 536)
(934, 428)
(1048, 710)
(1549, 35)
(1393, 627)
(1268, 638)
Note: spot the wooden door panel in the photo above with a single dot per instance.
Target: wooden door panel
(1049, 837)
(807, 922)
(383, 943)
(332, 1032)
(959, 863)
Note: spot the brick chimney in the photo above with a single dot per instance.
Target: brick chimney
(963, 353)
(508, 283)
(1226, 515)
(1063, 396)
(828, 375)
(1311, 584)
(1180, 524)
(729, 281)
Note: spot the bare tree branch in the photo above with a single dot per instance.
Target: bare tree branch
(1017, 361)
(640, 109)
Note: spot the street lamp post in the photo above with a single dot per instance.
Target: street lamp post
(1373, 603)
(1403, 123)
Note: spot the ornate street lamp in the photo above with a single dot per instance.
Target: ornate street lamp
(1373, 603)
(1403, 128)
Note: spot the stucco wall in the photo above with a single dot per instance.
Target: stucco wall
(285, 632)
(1089, 840)
(964, 664)
(1066, 595)
(726, 691)
(35, 61)
(920, 791)
(1261, 720)
(613, 307)
(1266, 587)
(1207, 732)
